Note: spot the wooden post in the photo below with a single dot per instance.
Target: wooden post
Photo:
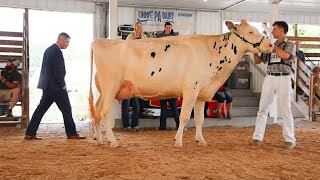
(25, 71)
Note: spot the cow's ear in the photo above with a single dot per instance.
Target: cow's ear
(230, 25)
(244, 22)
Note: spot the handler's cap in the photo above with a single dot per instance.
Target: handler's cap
(14, 61)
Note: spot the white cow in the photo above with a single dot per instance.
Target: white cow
(192, 67)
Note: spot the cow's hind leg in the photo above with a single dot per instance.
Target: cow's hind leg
(105, 106)
(97, 132)
(199, 117)
(187, 105)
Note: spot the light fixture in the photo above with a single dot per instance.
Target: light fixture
(205, 0)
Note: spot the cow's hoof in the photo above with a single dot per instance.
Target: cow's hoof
(178, 144)
(114, 144)
(202, 143)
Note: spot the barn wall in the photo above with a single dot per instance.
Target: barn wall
(52, 5)
(205, 22)
(264, 17)
(208, 22)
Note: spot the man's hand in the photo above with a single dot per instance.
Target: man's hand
(1, 78)
(256, 58)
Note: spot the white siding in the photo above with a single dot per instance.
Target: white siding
(126, 15)
(208, 23)
(264, 17)
(52, 5)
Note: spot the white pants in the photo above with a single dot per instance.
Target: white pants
(280, 86)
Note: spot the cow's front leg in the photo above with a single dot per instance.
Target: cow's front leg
(186, 108)
(199, 116)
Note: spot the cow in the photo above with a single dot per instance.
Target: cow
(190, 66)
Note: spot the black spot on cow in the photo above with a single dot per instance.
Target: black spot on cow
(210, 64)
(152, 73)
(219, 68)
(153, 54)
(229, 62)
(214, 45)
(232, 46)
(196, 83)
(226, 45)
(220, 49)
(221, 61)
(160, 69)
(235, 49)
(167, 47)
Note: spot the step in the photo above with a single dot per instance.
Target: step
(245, 101)
(208, 122)
(243, 93)
(244, 111)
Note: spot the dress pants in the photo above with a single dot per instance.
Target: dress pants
(164, 113)
(61, 98)
(135, 112)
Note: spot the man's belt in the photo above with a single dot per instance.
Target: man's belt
(278, 74)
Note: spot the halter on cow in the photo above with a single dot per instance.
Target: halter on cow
(192, 67)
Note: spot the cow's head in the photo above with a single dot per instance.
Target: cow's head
(254, 41)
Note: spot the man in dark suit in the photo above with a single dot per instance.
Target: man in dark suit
(54, 89)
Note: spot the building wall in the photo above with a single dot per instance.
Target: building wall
(52, 5)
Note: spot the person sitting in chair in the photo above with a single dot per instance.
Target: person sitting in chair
(10, 79)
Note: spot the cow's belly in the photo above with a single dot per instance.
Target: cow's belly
(156, 90)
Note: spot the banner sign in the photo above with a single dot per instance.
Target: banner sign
(153, 20)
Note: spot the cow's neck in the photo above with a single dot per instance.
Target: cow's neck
(228, 50)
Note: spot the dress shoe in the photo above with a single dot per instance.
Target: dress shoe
(27, 137)
(76, 137)
(256, 142)
(289, 145)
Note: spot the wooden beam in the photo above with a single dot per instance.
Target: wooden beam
(6, 57)
(304, 68)
(11, 34)
(11, 50)
(11, 42)
(310, 46)
(303, 76)
(312, 54)
(292, 38)
(303, 87)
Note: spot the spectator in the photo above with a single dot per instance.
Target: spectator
(137, 34)
(277, 82)
(10, 80)
(222, 95)
(168, 31)
(54, 89)
(300, 53)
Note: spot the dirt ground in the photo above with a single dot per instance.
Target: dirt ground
(150, 154)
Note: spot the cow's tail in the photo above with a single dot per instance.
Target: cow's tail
(92, 110)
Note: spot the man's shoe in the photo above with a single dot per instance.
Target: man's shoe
(229, 116)
(137, 128)
(218, 114)
(76, 137)
(289, 145)
(27, 137)
(127, 128)
(256, 142)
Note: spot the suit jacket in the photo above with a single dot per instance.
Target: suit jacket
(53, 69)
